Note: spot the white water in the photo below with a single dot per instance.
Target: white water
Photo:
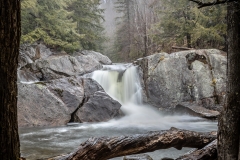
(47, 142)
(122, 83)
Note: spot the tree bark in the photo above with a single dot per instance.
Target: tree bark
(9, 47)
(229, 122)
(106, 148)
(189, 40)
(208, 152)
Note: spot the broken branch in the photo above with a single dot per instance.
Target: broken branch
(209, 152)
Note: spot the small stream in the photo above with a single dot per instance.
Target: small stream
(122, 83)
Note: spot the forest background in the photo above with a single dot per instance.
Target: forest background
(129, 29)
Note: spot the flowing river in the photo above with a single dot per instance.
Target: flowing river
(123, 84)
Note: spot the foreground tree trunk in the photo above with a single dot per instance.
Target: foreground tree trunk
(9, 48)
(229, 122)
(106, 148)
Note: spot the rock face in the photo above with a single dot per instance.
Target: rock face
(196, 110)
(98, 105)
(51, 92)
(56, 102)
(39, 63)
(187, 76)
(37, 106)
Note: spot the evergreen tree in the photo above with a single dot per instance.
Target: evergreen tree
(52, 24)
(184, 25)
(89, 23)
(63, 24)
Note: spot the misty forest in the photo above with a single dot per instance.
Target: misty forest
(120, 79)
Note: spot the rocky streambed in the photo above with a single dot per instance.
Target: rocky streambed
(53, 91)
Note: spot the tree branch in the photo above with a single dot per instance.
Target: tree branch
(216, 2)
(106, 148)
(209, 152)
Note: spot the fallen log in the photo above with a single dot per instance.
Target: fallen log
(209, 152)
(106, 148)
(182, 48)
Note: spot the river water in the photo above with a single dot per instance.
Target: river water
(122, 83)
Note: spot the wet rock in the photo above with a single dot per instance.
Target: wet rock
(37, 106)
(53, 103)
(195, 75)
(138, 157)
(98, 106)
(68, 90)
(49, 65)
(97, 56)
(194, 109)
(55, 67)
(219, 69)
(30, 53)
(27, 76)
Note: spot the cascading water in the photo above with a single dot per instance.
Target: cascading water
(123, 84)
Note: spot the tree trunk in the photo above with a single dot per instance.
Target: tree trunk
(129, 32)
(229, 122)
(189, 41)
(145, 37)
(9, 48)
(106, 148)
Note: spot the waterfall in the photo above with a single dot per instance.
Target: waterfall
(121, 82)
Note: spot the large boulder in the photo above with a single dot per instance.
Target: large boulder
(30, 53)
(187, 76)
(97, 56)
(56, 102)
(98, 105)
(195, 110)
(48, 104)
(39, 62)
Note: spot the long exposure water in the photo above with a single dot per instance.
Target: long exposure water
(122, 83)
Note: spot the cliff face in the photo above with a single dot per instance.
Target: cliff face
(195, 76)
(52, 92)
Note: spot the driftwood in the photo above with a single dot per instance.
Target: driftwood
(106, 148)
(181, 48)
(209, 152)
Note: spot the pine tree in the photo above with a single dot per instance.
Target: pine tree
(184, 25)
(52, 24)
(63, 24)
(89, 20)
